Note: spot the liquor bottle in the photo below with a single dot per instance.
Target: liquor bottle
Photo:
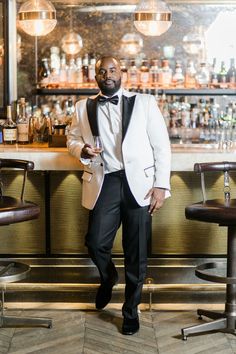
(203, 76)
(44, 73)
(133, 74)
(144, 75)
(190, 75)
(9, 129)
(222, 76)
(22, 124)
(154, 73)
(79, 72)
(91, 71)
(72, 72)
(63, 71)
(124, 72)
(178, 77)
(231, 74)
(165, 74)
(214, 82)
(55, 59)
(85, 68)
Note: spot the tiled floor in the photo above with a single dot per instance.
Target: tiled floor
(77, 331)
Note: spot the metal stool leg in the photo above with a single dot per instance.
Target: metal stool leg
(204, 327)
(16, 321)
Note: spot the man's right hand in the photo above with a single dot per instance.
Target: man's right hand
(87, 152)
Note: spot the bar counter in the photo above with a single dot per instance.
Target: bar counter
(59, 159)
(55, 185)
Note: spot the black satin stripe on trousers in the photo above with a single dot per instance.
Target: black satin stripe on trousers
(114, 206)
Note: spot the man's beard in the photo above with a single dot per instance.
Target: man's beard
(109, 91)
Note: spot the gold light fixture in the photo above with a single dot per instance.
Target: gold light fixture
(152, 17)
(72, 42)
(37, 17)
(131, 44)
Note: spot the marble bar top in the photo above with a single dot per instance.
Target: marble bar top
(59, 159)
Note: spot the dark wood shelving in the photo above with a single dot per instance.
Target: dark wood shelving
(177, 92)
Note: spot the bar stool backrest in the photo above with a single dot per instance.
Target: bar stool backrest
(224, 167)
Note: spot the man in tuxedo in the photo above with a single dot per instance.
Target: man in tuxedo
(124, 184)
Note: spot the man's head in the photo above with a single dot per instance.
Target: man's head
(108, 75)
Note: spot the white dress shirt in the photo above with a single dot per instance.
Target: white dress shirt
(110, 131)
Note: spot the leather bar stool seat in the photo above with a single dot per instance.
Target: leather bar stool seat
(14, 210)
(223, 213)
(213, 211)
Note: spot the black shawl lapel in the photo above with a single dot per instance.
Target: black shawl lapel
(92, 115)
(128, 105)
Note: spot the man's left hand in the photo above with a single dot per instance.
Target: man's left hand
(157, 196)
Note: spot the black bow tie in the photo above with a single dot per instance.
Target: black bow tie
(103, 100)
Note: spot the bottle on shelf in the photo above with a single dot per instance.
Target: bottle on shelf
(72, 73)
(165, 74)
(133, 75)
(91, 71)
(222, 76)
(44, 73)
(9, 129)
(231, 74)
(63, 71)
(154, 73)
(55, 59)
(79, 72)
(85, 68)
(190, 75)
(203, 76)
(22, 123)
(214, 82)
(124, 72)
(144, 74)
(178, 76)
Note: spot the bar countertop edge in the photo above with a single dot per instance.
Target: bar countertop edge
(59, 159)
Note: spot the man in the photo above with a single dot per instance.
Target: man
(126, 183)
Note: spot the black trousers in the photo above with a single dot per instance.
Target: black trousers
(114, 206)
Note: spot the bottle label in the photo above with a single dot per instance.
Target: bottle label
(23, 132)
(9, 134)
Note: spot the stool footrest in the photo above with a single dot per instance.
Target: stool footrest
(201, 272)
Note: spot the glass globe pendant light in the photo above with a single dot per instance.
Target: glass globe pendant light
(37, 17)
(72, 42)
(152, 17)
(131, 44)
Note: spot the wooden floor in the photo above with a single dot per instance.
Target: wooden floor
(78, 331)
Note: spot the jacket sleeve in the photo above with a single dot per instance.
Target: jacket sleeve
(75, 141)
(160, 143)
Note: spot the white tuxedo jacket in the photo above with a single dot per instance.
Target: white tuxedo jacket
(145, 146)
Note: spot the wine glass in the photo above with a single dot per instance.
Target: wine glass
(98, 147)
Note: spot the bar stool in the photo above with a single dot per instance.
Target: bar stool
(14, 210)
(222, 212)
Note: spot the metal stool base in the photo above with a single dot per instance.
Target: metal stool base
(14, 321)
(221, 322)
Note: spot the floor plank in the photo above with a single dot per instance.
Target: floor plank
(99, 332)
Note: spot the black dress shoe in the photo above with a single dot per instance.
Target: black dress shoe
(104, 294)
(130, 326)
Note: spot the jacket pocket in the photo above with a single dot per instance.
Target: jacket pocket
(149, 171)
(87, 176)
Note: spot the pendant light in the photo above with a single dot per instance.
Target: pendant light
(37, 17)
(131, 44)
(152, 17)
(72, 42)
